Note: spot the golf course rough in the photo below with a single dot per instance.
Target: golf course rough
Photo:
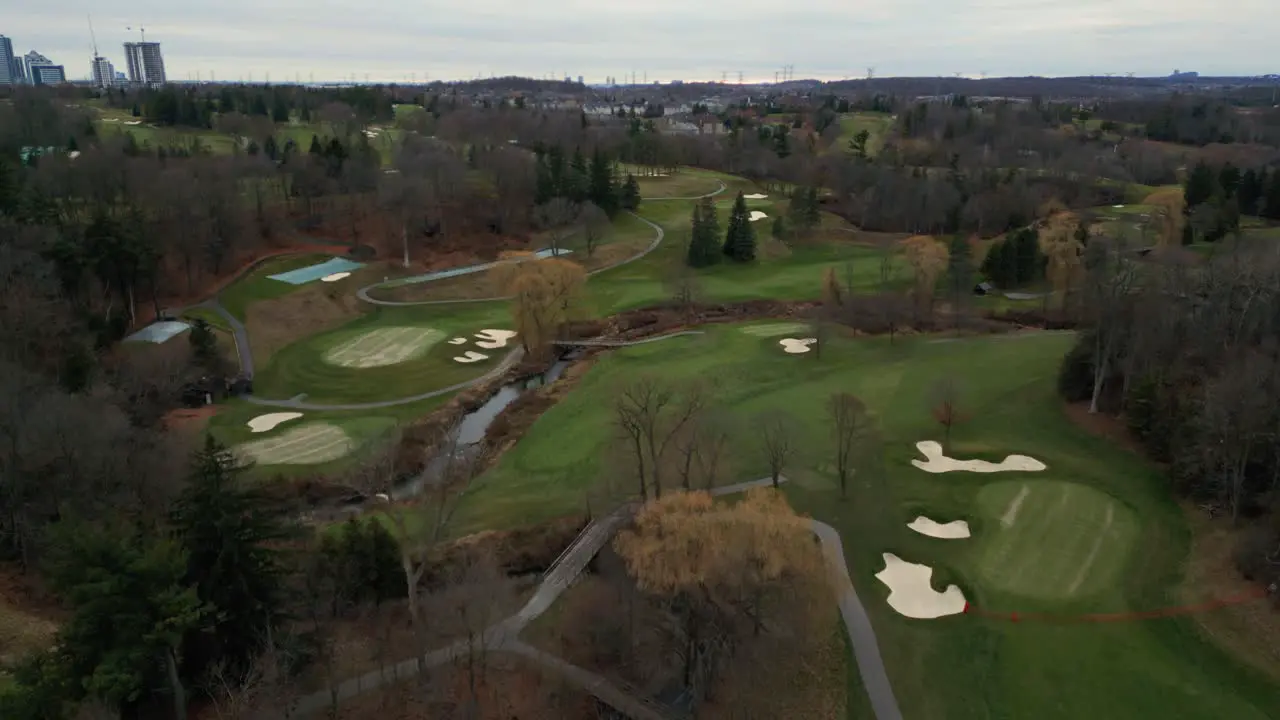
(383, 347)
(1052, 540)
(309, 444)
(774, 329)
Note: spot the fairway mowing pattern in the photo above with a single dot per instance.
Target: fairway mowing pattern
(304, 445)
(1051, 539)
(775, 329)
(384, 346)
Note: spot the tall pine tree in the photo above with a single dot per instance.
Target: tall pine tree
(231, 533)
(603, 192)
(740, 238)
(631, 193)
(704, 244)
(1271, 201)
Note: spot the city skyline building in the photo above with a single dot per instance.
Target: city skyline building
(9, 73)
(145, 63)
(48, 75)
(33, 60)
(103, 72)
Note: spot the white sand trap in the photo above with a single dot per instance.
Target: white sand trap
(757, 215)
(937, 462)
(754, 196)
(796, 347)
(774, 329)
(458, 341)
(303, 445)
(134, 122)
(910, 593)
(384, 346)
(335, 277)
(471, 357)
(956, 530)
(494, 339)
(263, 423)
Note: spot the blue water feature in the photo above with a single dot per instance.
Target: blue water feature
(158, 332)
(467, 270)
(302, 276)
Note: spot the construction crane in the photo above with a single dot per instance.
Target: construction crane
(142, 32)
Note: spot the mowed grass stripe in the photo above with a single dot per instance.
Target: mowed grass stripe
(1024, 542)
(1044, 521)
(312, 439)
(384, 346)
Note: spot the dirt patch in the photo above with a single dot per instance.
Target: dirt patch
(459, 287)
(1103, 425)
(1248, 630)
(28, 618)
(316, 308)
(189, 421)
(506, 687)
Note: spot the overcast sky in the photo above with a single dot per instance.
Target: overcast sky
(668, 39)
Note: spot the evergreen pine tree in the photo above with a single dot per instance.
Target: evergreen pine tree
(10, 191)
(603, 192)
(740, 238)
(204, 344)
(959, 270)
(1271, 202)
(631, 193)
(577, 186)
(270, 148)
(316, 148)
(231, 533)
(781, 231)
(812, 207)
(1250, 190)
(711, 218)
(543, 189)
(1200, 186)
(704, 247)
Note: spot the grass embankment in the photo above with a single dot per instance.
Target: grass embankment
(258, 285)
(962, 666)
(302, 367)
(875, 123)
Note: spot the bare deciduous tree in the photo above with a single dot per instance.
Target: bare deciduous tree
(651, 415)
(946, 406)
(851, 429)
(777, 441)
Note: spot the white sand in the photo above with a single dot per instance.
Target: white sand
(937, 462)
(754, 196)
(956, 530)
(384, 346)
(263, 423)
(494, 339)
(303, 445)
(134, 122)
(335, 277)
(73, 154)
(910, 593)
(796, 347)
(757, 215)
(458, 341)
(471, 357)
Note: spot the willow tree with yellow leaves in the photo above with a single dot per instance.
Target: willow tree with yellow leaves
(1168, 215)
(928, 259)
(1060, 241)
(544, 292)
(739, 584)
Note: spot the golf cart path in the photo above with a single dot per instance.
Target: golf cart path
(504, 635)
(713, 193)
(363, 293)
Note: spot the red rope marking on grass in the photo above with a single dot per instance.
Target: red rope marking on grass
(1174, 611)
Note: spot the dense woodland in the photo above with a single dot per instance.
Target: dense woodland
(135, 535)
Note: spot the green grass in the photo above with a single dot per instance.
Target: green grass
(963, 666)
(878, 124)
(215, 320)
(258, 286)
(301, 367)
(367, 429)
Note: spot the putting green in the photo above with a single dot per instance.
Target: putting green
(309, 444)
(384, 346)
(1053, 540)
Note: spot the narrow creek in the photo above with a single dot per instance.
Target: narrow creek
(466, 438)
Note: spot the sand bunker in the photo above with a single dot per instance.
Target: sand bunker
(956, 530)
(910, 593)
(937, 462)
(303, 445)
(458, 341)
(471, 357)
(796, 347)
(754, 196)
(384, 346)
(494, 339)
(757, 215)
(335, 277)
(263, 423)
